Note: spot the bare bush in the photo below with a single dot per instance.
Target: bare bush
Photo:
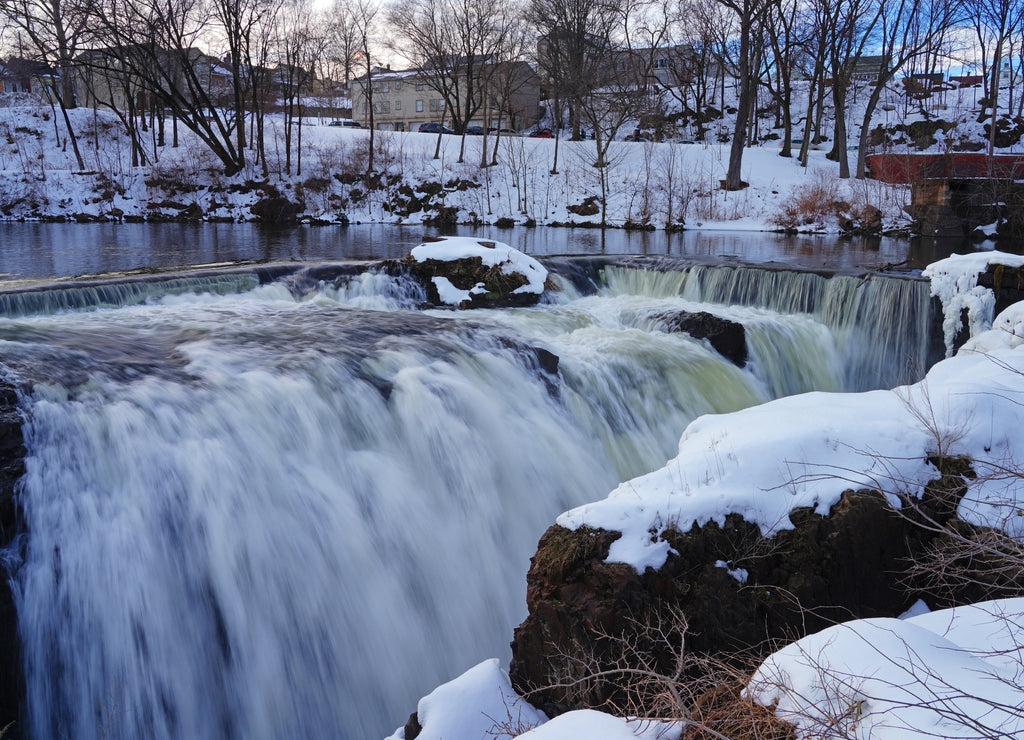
(811, 205)
(645, 671)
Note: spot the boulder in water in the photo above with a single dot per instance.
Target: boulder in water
(464, 272)
(728, 338)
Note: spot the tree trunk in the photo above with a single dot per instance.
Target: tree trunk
(739, 134)
(838, 152)
(862, 145)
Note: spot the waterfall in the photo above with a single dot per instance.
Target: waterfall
(114, 295)
(880, 323)
(281, 513)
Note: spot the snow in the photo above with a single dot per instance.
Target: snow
(491, 253)
(761, 462)
(954, 281)
(949, 673)
(481, 705)
(588, 724)
(738, 574)
(478, 705)
(450, 295)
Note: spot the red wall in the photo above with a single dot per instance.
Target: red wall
(906, 168)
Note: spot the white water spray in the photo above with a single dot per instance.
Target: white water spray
(254, 516)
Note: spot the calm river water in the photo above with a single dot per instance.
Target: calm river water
(32, 251)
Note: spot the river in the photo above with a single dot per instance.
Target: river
(289, 508)
(34, 251)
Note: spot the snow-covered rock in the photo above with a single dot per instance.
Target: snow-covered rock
(465, 272)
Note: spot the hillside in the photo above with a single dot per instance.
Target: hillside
(649, 184)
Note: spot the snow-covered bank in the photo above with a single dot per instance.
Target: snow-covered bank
(950, 673)
(654, 184)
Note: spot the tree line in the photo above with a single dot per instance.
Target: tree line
(217, 67)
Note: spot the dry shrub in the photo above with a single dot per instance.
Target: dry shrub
(722, 710)
(813, 204)
(645, 671)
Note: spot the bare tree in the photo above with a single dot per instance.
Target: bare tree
(995, 23)
(749, 14)
(459, 45)
(907, 28)
(786, 41)
(627, 90)
(853, 24)
(575, 49)
(299, 45)
(243, 24)
(159, 45)
(359, 17)
(55, 29)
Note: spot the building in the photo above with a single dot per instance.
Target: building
(104, 78)
(25, 76)
(866, 68)
(405, 99)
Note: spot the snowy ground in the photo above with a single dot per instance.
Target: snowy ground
(955, 673)
(655, 183)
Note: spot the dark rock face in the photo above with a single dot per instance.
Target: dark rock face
(12, 466)
(727, 337)
(849, 564)
(1007, 283)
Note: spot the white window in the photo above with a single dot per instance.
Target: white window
(398, 104)
(419, 106)
(433, 104)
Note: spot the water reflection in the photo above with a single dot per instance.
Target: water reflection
(40, 250)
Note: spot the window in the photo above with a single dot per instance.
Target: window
(398, 105)
(433, 104)
(385, 107)
(385, 87)
(419, 86)
(419, 106)
(661, 63)
(440, 104)
(398, 86)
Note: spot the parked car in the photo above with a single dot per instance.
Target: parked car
(541, 133)
(504, 131)
(474, 131)
(346, 123)
(434, 128)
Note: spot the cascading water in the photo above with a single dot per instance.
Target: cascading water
(256, 515)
